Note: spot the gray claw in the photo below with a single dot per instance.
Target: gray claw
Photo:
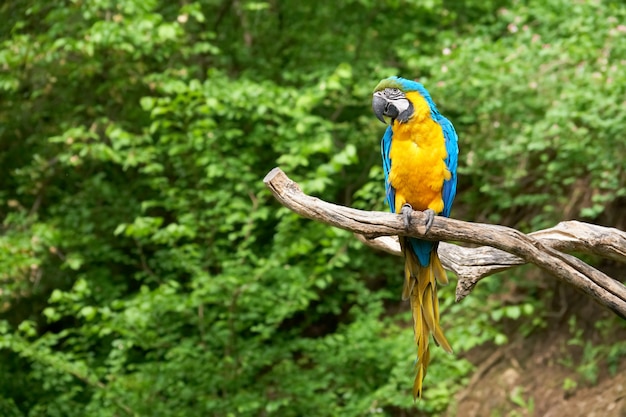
(430, 218)
(406, 211)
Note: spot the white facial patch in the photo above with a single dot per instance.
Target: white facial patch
(401, 104)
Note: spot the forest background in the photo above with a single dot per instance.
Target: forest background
(146, 271)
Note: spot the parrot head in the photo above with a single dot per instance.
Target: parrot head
(392, 99)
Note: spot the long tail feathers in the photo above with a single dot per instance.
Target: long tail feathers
(420, 288)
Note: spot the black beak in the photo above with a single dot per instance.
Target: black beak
(378, 105)
(382, 108)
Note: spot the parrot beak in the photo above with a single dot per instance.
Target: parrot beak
(382, 107)
(378, 105)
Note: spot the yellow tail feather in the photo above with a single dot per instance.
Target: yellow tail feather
(421, 289)
(440, 273)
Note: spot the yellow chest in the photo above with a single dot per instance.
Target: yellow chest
(418, 167)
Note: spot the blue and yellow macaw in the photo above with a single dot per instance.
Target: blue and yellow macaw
(420, 153)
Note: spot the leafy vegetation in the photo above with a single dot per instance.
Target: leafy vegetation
(145, 270)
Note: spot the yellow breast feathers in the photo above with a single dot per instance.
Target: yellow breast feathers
(417, 154)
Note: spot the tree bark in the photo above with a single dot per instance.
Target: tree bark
(502, 247)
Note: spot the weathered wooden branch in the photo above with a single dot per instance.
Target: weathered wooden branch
(502, 248)
(474, 264)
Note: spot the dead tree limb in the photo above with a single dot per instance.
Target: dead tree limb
(506, 247)
(473, 264)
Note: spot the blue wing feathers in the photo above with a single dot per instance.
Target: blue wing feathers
(452, 148)
(385, 148)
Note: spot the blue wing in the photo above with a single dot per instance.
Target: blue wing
(385, 148)
(452, 147)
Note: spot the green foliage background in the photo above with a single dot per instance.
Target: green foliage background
(145, 270)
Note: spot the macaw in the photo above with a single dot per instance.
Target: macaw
(420, 154)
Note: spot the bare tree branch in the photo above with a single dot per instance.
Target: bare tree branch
(506, 247)
(473, 264)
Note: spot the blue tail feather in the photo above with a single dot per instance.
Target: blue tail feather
(423, 249)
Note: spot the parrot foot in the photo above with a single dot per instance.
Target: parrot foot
(406, 211)
(430, 218)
